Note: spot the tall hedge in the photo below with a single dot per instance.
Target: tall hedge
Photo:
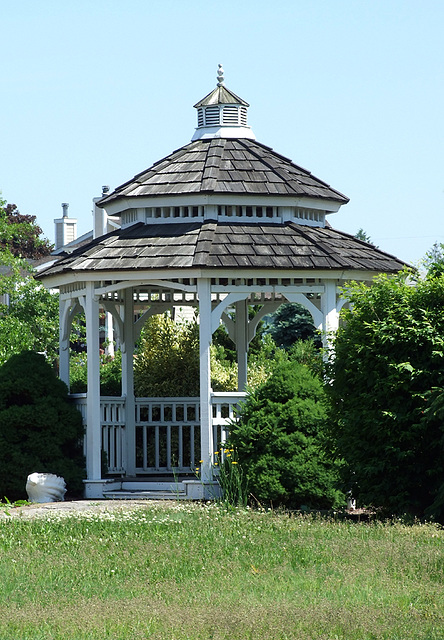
(39, 429)
(387, 371)
(281, 443)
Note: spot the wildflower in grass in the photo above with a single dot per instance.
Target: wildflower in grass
(232, 480)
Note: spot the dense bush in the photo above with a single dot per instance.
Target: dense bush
(39, 429)
(388, 364)
(281, 443)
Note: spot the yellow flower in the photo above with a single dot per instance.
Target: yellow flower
(233, 462)
(215, 464)
(228, 455)
(200, 461)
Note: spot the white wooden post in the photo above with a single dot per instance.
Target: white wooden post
(330, 313)
(241, 333)
(109, 333)
(64, 331)
(128, 381)
(93, 429)
(206, 428)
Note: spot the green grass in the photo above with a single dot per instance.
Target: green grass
(184, 571)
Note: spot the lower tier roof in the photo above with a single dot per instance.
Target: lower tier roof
(225, 246)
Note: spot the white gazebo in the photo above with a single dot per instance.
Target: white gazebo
(222, 223)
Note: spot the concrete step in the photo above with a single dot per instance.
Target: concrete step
(121, 494)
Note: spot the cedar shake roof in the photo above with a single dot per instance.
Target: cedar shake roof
(225, 166)
(143, 247)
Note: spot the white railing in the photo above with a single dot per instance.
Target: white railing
(224, 406)
(112, 418)
(167, 435)
(167, 430)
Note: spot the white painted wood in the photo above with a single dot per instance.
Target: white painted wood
(205, 336)
(241, 333)
(216, 313)
(66, 279)
(128, 381)
(329, 309)
(190, 200)
(93, 430)
(64, 341)
(318, 316)
(268, 308)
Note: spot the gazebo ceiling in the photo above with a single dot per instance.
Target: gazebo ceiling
(224, 166)
(226, 246)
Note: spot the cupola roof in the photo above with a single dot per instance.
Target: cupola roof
(222, 114)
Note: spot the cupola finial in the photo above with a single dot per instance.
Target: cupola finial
(220, 76)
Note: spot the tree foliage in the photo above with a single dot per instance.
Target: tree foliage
(167, 359)
(28, 318)
(388, 362)
(281, 440)
(20, 233)
(39, 429)
(290, 323)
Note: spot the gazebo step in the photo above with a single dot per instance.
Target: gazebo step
(146, 490)
(156, 489)
(136, 494)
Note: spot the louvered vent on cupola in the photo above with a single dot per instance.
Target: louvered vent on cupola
(222, 114)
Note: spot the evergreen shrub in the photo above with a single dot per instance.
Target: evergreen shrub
(281, 441)
(39, 429)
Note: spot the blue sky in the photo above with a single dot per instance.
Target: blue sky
(95, 91)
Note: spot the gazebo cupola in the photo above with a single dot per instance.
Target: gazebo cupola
(222, 114)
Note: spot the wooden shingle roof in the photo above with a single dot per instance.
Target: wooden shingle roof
(145, 247)
(225, 166)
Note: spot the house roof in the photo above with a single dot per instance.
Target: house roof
(225, 166)
(271, 246)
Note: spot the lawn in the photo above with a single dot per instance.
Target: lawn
(181, 571)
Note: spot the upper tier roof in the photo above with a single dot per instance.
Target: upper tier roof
(225, 166)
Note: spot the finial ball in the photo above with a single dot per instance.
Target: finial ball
(220, 75)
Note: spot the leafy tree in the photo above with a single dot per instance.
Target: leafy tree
(28, 318)
(362, 235)
(434, 261)
(290, 323)
(281, 440)
(28, 312)
(20, 234)
(167, 361)
(388, 362)
(39, 429)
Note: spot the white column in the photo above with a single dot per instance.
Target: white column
(109, 333)
(128, 381)
(64, 331)
(206, 418)
(331, 316)
(93, 429)
(241, 333)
